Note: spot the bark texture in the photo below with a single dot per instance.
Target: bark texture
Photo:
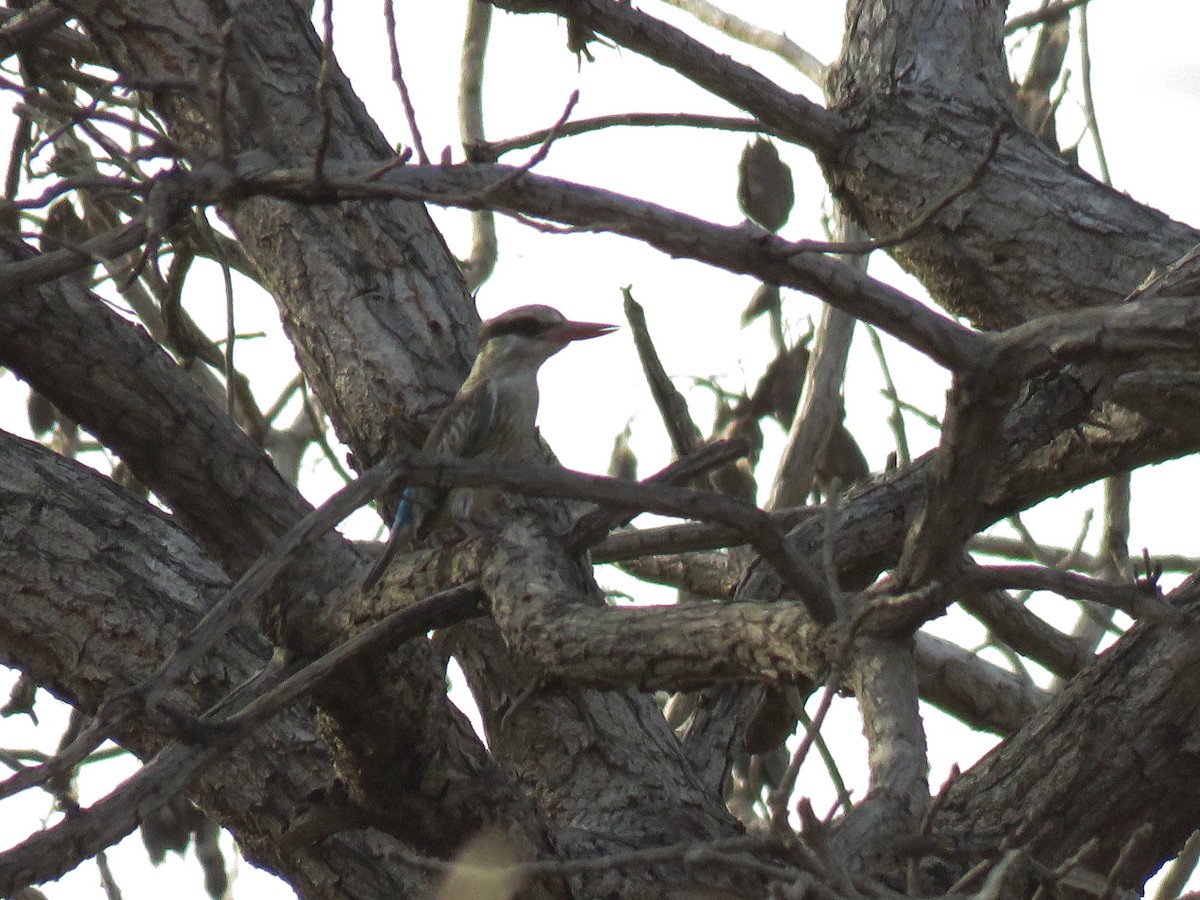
(580, 763)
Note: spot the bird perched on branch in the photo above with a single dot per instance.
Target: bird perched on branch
(492, 416)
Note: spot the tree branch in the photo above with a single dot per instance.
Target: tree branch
(791, 114)
(736, 249)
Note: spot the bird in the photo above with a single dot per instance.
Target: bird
(765, 191)
(493, 416)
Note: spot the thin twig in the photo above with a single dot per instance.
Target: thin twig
(22, 138)
(779, 44)
(1131, 599)
(685, 436)
(74, 115)
(324, 87)
(539, 155)
(230, 329)
(686, 537)
(1048, 13)
(1009, 548)
(592, 527)
(477, 268)
(827, 758)
(389, 15)
(777, 802)
(923, 218)
(490, 151)
(111, 889)
(896, 416)
(66, 760)
(225, 136)
(939, 799)
(1089, 103)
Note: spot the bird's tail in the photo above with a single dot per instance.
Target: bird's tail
(401, 523)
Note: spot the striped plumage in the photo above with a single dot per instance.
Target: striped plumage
(493, 416)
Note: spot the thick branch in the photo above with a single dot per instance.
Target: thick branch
(334, 266)
(796, 117)
(101, 589)
(736, 249)
(652, 648)
(1040, 235)
(110, 377)
(1076, 784)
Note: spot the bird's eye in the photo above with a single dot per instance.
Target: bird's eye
(521, 326)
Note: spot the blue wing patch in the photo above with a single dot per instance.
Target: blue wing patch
(461, 430)
(404, 511)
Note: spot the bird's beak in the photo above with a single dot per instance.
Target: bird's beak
(566, 332)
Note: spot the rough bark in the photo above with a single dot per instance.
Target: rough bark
(1114, 752)
(925, 87)
(101, 589)
(382, 324)
(352, 282)
(339, 272)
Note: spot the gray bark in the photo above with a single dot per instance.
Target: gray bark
(376, 308)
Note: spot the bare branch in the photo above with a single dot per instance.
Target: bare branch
(1010, 548)
(1026, 633)
(765, 256)
(793, 115)
(975, 412)
(779, 44)
(685, 436)
(552, 481)
(1089, 104)
(478, 266)
(1047, 13)
(540, 154)
(1138, 331)
(665, 647)
(1138, 601)
(490, 151)
(712, 575)
(885, 683)
(42, 25)
(591, 527)
(389, 18)
(979, 693)
(50, 854)
(821, 411)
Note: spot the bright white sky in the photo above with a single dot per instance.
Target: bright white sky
(1147, 88)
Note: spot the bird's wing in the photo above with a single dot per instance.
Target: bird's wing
(461, 430)
(462, 427)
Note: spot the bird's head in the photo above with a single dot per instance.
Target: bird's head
(524, 338)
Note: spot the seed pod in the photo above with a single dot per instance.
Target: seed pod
(765, 191)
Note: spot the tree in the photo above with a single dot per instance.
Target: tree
(1078, 365)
